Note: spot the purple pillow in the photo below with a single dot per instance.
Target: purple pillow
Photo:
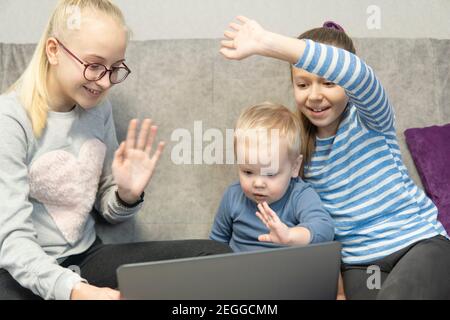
(430, 150)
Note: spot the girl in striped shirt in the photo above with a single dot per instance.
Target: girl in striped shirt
(353, 160)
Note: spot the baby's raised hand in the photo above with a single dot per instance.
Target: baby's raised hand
(279, 232)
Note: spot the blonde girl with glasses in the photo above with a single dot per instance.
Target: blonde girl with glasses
(60, 160)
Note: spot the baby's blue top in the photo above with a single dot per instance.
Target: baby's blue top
(236, 222)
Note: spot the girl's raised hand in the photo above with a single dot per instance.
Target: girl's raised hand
(133, 164)
(243, 40)
(279, 232)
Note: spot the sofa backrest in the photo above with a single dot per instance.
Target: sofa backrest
(181, 82)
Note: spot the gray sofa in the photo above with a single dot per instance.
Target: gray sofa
(177, 82)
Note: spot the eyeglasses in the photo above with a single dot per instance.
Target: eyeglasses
(96, 71)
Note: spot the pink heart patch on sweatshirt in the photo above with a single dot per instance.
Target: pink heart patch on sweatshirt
(67, 186)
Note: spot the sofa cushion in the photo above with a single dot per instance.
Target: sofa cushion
(430, 150)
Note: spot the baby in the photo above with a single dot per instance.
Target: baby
(270, 206)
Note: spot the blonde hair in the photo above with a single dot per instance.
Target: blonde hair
(32, 85)
(268, 115)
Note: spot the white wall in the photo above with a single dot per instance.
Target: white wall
(22, 21)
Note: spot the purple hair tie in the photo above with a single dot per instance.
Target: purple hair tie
(333, 25)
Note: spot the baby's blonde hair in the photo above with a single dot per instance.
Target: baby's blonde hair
(32, 85)
(268, 116)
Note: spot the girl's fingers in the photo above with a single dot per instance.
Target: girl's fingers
(143, 134)
(131, 135)
(229, 35)
(151, 137)
(158, 152)
(243, 19)
(229, 44)
(120, 153)
(235, 26)
(224, 52)
(229, 54)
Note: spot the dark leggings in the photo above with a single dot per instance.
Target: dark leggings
(99, 263)
(419, 271)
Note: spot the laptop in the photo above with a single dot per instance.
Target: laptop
(291, 273)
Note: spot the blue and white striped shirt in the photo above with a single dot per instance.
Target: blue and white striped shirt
(359, 173)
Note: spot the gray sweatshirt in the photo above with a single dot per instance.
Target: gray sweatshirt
(48, 189)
